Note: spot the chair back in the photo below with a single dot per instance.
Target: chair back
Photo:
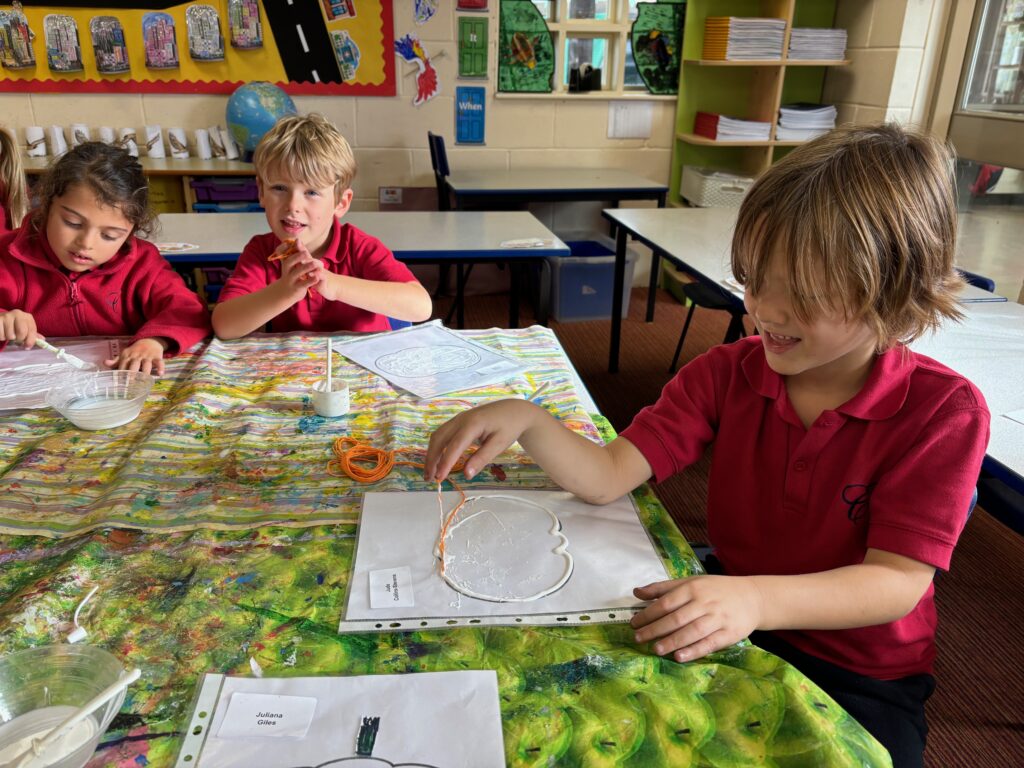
(439, 162)
(978, 281)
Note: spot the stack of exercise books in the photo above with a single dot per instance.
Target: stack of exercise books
(800, 122)
(818, 44)
(732, 38)
(722, 128)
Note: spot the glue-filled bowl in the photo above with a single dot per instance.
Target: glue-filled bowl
(101, 400)
(42, 687)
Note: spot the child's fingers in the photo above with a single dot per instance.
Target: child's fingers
(158, 367)
(111, 362)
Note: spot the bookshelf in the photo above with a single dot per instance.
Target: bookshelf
(751, 90)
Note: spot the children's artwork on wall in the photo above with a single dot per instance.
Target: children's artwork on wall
(424, 10)
(159, 41)
(63, 49)
(472, 46)
(347, 52)
(657, 40)
(108, 45)
(205, 40)
(427, 86)
(526, 54)
(244, 23)
(469, 114)
(15, 41)
(176, 46)
(339, 9)
(471, 5)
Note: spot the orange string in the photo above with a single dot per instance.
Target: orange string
(367, 464)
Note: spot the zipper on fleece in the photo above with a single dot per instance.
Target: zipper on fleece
(75, 302)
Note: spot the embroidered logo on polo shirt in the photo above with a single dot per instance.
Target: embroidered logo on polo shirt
(857, 496)
(112, 299)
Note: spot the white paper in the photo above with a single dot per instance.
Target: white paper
(203, 149)
(58, 144)
(106, 134)
(129, 141)
(35, 141)
(26, 375)
(230, 148)
(155, 142)
(630, 119)
(178, 143)
(430, 360)
(611, 554)
(1017, 416)
(263, 716)
(216, 143)
(391, 588)
(449, 719)
(79, 134)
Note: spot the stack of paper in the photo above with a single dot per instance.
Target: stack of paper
(820, 44)
(741, 39)
(722, 128)
(799, 122)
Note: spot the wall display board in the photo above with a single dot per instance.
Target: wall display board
(169, 46)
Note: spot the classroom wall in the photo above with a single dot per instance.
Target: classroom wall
(894, 47)
(389, 134)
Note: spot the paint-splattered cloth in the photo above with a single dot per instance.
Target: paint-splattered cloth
(182, 603)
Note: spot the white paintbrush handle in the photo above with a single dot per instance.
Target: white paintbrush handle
(41, 745)
(63, 354)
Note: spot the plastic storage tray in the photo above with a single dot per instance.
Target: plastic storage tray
(708, 188)
(227, 208)
(582, 283)
(225, 189)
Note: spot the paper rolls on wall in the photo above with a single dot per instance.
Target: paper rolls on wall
(35, 141)
(230, 148)
(58, 144)
(106, 134)
(216, 143)
(178, 143)
(203, 149)
(79, 134)
(129, 141)
(155, 142)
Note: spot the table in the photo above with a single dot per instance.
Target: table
(536, 185)
(699, 240)
(189, 584)
(185, 169)
(430, 237)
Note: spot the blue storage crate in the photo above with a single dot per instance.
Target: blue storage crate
(582, 282)
(227, 208)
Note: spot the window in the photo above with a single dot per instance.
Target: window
(592, 35)
(995, 77)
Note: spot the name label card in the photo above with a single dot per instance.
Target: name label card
(391, 588)
(263, 715)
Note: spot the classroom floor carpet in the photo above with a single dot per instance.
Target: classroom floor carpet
(976, 715)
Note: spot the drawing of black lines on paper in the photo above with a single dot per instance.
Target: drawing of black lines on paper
(417, 362)
(503, 549)
(365, 742)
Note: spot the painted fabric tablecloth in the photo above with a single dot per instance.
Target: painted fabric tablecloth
(220, 544)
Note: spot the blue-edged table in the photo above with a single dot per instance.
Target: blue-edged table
(498, 187)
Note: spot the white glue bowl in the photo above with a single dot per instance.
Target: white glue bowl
(333, 402)
(102, 399)
(42, 687)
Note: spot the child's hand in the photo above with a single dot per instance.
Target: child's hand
(146, 355)
(299, 270)
(494, 427)
(692, 617)
(19, 326)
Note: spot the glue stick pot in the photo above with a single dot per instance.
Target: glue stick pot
(101, 399)
(41, 687)
(333, 402)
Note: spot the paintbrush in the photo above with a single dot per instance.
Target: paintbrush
(66, 356)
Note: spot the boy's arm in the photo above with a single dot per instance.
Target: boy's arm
(597, 474)
(242, 315)
(403, 301)
(693, 617)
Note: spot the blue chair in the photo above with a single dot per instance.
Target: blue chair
(978, 281)
(1004, 502)
(701, 295)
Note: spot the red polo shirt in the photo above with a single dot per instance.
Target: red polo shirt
(349, 252)
(894, 468)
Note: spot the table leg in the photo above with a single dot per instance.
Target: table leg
(617, 286)
(652, 288)
(514, 280)
(460, 292)
(544, 301)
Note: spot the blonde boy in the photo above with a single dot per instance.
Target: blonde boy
(311, 272)
(844, 463)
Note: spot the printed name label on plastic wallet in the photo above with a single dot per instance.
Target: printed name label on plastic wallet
(391, 588)
(263, 715)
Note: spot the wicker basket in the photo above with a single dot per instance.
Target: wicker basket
(708, 188)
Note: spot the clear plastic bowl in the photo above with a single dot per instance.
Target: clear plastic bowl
(102, 399)
(42, 687)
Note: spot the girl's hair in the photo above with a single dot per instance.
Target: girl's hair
(307, 148)
(12, 179)
(113, 175)
(865, 217)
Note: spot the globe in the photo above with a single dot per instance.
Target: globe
(252, 111)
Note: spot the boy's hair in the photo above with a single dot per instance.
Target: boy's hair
(866, 218)
(13, 194)
(110, 172)
(307, 148)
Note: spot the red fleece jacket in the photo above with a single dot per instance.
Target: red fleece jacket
(136, 293)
